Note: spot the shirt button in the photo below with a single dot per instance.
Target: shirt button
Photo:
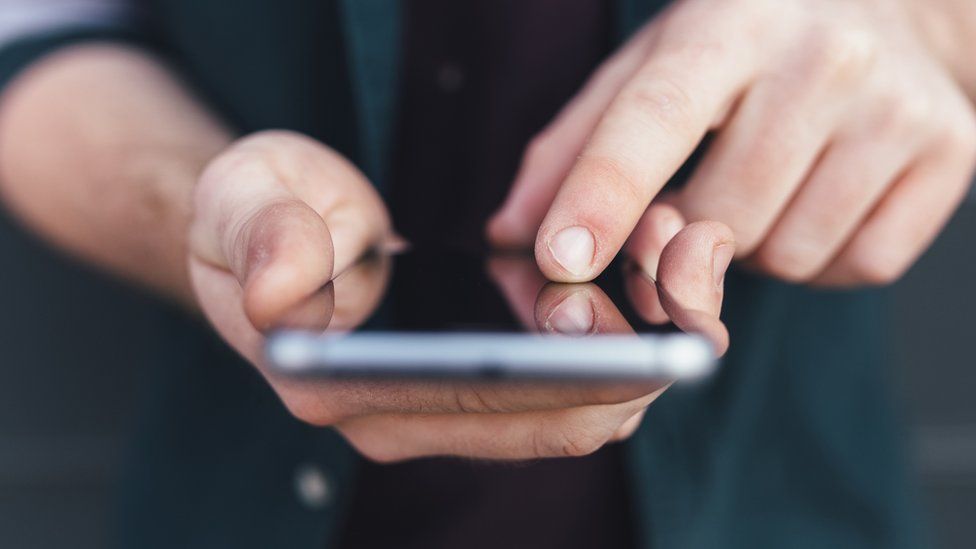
(312, 486)
(450, 78)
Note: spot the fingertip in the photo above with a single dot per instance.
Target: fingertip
(692, 252)
(659, 224)
(496, 229)
(394, 243)
(643, 295)
(288, 256)
(710, 327)
(273, 291)
(572, 316)
(666, 221)
(505, 231)
(629, 427)
(261, 302)
(722, 343)
(567, 255)
(578, 309)
(314, 313)
(704, 323)
(576, 304)
(719, 232)
(692, 267)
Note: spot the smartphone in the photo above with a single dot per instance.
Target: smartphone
(441, 314)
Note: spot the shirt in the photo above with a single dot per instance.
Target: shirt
(479, 79)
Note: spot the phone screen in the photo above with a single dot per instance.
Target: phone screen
(438, 291)
(435, 313)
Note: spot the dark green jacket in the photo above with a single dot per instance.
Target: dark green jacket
(792, 444)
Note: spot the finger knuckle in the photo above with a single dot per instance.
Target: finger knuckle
(284, 152)
(613, 175)
(914, 111)
(768, 159)
(904, 115)
(844, 51)
(961, 136)
(791, 262)
(734, 213)
(875, 269)
(681, 46)
(661, 102)
(235, 162)
(471, 400)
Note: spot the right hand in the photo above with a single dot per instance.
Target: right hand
(277, 214)
(389, 421)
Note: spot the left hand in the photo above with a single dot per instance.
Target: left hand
(403, 419)
(843, 144)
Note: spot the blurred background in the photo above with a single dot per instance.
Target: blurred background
(932, 350)
(63, 431)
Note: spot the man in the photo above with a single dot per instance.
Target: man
(842, 139)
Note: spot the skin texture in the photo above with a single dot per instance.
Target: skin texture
(395, 420)
(100, 149)
(836, 123)
(134, 176)
(844, 139)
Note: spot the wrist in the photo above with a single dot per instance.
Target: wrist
(172, 188)
(101, 151)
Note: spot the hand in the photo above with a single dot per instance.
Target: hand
(687, 293)
(276, 215)
(842, 144)
(396, 420)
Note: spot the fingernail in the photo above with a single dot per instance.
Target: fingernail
(572, 248)
(574, 316)
(721, 258)
(667, 227)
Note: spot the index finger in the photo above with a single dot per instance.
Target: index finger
(646, 134)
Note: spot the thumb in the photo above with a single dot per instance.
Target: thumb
(277, 248)
(690, 279)
(281, 254)
(247, 222)
(283, 213)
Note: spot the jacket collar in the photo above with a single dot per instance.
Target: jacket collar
(373, 45)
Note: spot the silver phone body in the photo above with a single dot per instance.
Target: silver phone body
(456, 315)
(491, 355)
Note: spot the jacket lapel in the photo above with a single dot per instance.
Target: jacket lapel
(373, 39)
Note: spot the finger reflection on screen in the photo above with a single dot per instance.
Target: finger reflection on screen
(578, 310)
